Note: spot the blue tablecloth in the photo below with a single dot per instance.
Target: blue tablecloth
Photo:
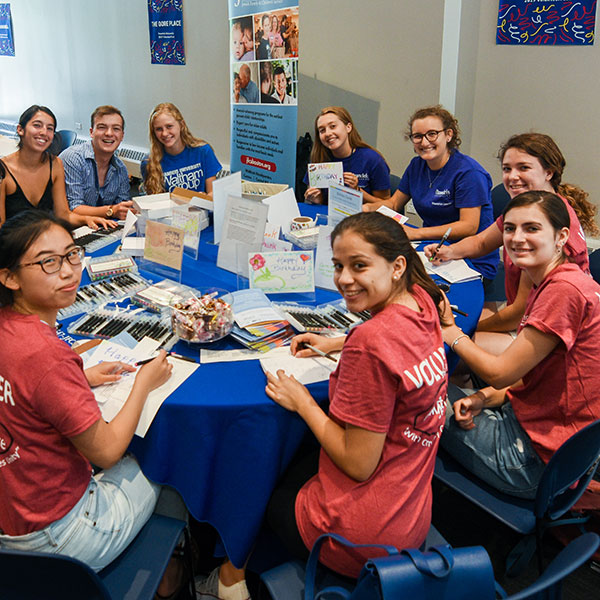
(220, 441)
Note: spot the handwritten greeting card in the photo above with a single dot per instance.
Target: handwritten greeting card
(322, 175)
(164, 244)
(190, 223)
(282, 272)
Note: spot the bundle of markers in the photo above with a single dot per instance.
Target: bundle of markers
(105, 323)
(325, 318)
(105, 290)
(94, 240)
(263, 336)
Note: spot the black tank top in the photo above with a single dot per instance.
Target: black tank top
(17, 202)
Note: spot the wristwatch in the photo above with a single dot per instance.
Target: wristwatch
(110, 212)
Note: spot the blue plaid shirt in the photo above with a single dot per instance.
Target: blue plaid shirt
(81, 177)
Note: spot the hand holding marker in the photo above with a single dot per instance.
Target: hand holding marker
(444, 238)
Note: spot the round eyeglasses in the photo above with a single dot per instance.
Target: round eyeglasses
(54, 262)
(431, 135)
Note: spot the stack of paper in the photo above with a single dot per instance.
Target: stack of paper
(257, 324)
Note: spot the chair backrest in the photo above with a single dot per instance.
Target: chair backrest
(67, 138)
(569, 559)
(595, 265)
(568, 473)
(500, 199)
(35, 575)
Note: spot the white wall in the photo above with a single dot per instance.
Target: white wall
(76, 54)
(552, 89)
(73, 55)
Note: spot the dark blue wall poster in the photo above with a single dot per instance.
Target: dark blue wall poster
(263, 72)
(546, 22)
(165, 18)
(7, 44)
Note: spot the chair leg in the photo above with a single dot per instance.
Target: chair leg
(539, 532)
(189, 557)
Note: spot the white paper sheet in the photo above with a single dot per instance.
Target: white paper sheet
(282, 209)
(112, 397)
(222, 187)
(213, 356)
(305, 370)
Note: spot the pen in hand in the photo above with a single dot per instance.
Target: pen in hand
(317, 351)
(444, 238)
(139, 363)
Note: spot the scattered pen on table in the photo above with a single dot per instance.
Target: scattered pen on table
(139, 363)
(444, 238)
(319, 352)
(458, 311)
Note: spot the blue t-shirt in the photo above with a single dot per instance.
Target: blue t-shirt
(370, 168)
(189, 169)
(439, 195)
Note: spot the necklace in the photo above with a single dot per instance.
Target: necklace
(439, 172)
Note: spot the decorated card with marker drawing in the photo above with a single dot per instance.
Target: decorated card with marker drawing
(282, 272)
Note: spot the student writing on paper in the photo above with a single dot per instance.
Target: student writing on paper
(506, 435)
(337, 139)
(51, 429)
(448, 188)
(530, 161)
(177, 158)
(387, 409)
(35, 178)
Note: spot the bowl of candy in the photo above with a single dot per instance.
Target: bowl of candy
(206, 317)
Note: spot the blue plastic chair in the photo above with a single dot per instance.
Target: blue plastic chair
(135, 574)
(286, 581)
(67, 138)
(563, 482)
(549, 584)
(595, 265)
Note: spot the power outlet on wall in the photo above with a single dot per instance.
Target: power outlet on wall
(78, 126)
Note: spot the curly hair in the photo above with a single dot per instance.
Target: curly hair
(545, 149)
(154, 180)
(448, 122)
(320, 153)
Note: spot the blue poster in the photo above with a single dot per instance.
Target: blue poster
(546, 22)
(165, 18)
(263, 68)
(7, 44)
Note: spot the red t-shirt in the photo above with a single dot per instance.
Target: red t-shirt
(575, 249)
(391, 379)
(44, 399)
(560, 396)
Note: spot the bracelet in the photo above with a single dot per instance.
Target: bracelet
(458, 338)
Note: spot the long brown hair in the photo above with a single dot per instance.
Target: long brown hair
(390, 241)
(545, 149)
(154, 180)
(319, 153)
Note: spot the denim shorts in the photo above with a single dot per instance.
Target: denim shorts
(115, 506)
(497, 449)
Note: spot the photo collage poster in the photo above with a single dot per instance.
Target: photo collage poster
(264, 88)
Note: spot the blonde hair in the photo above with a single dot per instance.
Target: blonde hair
(154, 181)
(321, 154)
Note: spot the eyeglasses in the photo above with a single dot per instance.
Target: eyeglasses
(53, 264)
(431, 135)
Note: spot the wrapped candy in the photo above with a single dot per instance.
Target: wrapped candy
(203, 319)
